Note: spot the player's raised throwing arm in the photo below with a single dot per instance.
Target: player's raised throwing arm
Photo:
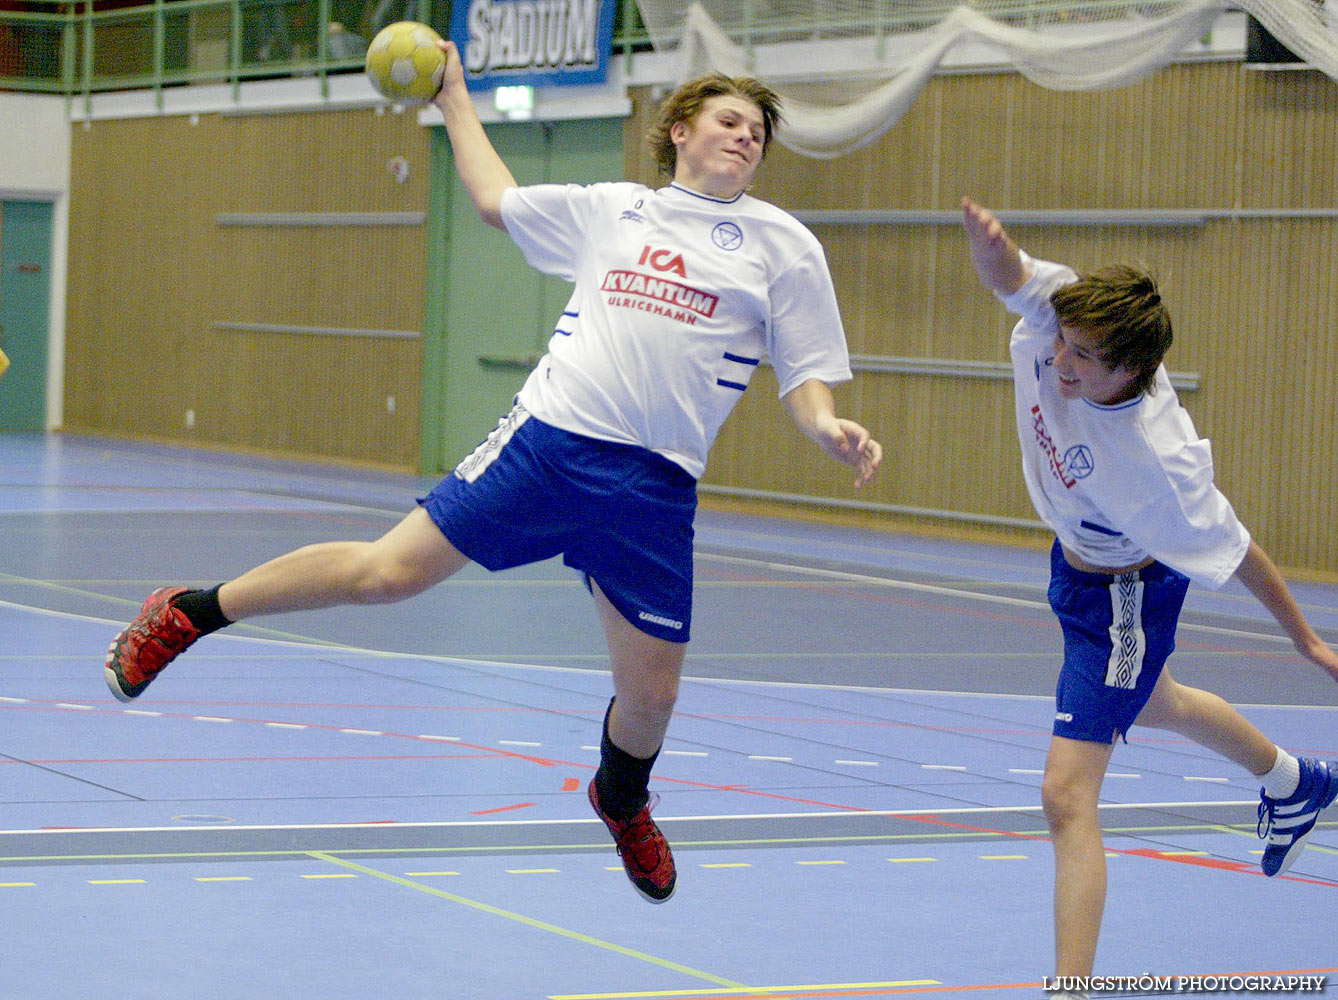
(481, 170)
(993, 253)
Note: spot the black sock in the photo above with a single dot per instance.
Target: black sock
(622, 780)
(201, 607)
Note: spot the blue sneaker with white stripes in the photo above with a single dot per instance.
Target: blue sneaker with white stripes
(1286, 823)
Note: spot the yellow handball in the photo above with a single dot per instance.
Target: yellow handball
(404, 63)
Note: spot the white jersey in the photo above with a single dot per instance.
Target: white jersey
(1116, 483)
(678, 298)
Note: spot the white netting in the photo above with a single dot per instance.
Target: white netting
(1060, 44)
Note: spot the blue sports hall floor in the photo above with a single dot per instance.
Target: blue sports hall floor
(389, 802)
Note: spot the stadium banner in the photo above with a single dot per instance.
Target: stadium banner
(535, 43)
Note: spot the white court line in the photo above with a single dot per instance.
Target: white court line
(339, 648)
(929, 588)
(579, 821)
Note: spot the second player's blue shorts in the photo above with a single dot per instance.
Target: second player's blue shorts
(1118, 632)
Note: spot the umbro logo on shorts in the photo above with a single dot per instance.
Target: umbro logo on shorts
(646, 616)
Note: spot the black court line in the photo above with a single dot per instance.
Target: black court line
(168, 844)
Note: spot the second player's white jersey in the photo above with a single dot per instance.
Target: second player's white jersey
(678, 298)
(1116, 483)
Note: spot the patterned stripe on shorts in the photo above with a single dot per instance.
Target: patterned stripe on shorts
(1126, 632)
(478, 460)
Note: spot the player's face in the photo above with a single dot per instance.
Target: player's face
(720, 150)
(1082, 373)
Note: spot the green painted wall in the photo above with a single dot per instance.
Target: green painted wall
(25, 289)
(488, 313)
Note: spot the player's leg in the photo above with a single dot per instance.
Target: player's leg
(411, 557)
(1074, 771)
(408, 559)
(1295, 790)
(1209, 721)
(1118, 629)
(646, 671)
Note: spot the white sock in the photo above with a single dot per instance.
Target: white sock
(1283, 778)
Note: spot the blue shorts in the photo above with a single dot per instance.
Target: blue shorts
(1118, 633)
(619, 513)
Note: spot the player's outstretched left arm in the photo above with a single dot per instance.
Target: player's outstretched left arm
(483, 173)
(813, 409)
(993, 252)
(1262, 579)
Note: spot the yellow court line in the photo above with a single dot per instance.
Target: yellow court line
(780, 991)
(497, 911)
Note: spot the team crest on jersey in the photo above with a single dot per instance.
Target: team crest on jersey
(727, 236)
(1078, 460)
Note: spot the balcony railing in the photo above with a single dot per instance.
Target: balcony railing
(91, 46)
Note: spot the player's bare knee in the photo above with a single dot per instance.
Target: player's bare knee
(385, 582)
(1061, 802)
(648, 704)
(646, 701)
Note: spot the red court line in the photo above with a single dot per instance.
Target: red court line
(249, 760)
(934, 820)
(502, 809)
(1221, 864)
(1239, 867)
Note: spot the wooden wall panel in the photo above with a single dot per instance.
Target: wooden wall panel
(152, 272)
(1254, 299)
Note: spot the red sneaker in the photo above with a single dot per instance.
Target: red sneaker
(147, 644)
(646, 856)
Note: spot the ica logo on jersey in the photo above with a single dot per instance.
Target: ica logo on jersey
(663, 260)
(653, 293)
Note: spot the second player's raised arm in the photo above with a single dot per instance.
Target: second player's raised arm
(996, 257)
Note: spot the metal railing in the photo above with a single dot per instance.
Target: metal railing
(84, 47)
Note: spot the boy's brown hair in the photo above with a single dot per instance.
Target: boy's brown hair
(686, 103)
(1121, 305)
